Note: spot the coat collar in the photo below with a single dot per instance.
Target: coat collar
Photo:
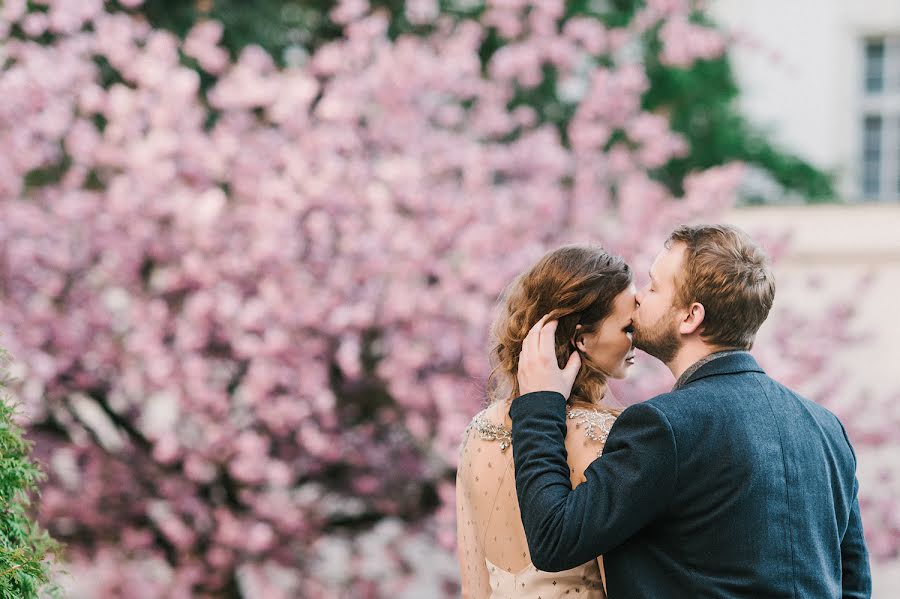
(728, 362)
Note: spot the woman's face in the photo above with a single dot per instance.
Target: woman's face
(609, 346)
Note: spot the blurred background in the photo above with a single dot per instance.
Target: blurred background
(249, 254)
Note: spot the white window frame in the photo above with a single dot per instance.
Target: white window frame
(886, 105)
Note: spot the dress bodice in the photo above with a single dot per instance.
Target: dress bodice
(493, 549)
(581, 582)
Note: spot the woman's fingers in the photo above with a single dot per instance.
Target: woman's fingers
(531, 347)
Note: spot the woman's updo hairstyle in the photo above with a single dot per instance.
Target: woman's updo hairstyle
(575, 284)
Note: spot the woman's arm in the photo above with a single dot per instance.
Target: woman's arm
(470, 551)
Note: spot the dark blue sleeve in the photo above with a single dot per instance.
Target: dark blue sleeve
(626, 488)
(856, 579)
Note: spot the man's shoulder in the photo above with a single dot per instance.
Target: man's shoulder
(663, 408)
(673, 403)
(685, 405)
(708, 392)
(822, 414)
(698, 401)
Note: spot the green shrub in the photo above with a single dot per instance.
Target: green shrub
(26, 551)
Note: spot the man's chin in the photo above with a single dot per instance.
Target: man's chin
(650, 350)
(638, 344)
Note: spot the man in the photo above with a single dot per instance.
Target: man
(729, 486)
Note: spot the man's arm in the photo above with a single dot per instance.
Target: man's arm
(856, 579)
(626, 488)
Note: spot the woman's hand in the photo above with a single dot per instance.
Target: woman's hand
(538, 369)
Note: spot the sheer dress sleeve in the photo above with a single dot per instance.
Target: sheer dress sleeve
(470, 548)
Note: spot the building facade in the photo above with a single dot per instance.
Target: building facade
(823, 77)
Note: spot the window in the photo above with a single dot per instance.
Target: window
(880, 122)
(872, 155)
(874, 66)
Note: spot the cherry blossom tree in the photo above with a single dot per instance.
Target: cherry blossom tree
(249, 302)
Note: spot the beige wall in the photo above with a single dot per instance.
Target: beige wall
(840, 245)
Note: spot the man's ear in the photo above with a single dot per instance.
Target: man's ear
(693, 319)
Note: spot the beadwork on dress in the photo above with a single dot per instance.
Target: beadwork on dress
(596, 425)
(492, 432)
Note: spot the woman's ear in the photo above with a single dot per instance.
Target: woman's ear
(578, 339)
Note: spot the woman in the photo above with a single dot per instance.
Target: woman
(591, 293)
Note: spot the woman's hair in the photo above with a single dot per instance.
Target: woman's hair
(575, 285)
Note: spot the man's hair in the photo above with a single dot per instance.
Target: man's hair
(729, 274)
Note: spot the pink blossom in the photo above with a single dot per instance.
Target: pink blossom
(347, 11)
(13, 10)
(35, 24)
(201, 44)
(683, 43)
(421, 12)
(587, 33)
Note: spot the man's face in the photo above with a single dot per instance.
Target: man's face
(656, 319)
